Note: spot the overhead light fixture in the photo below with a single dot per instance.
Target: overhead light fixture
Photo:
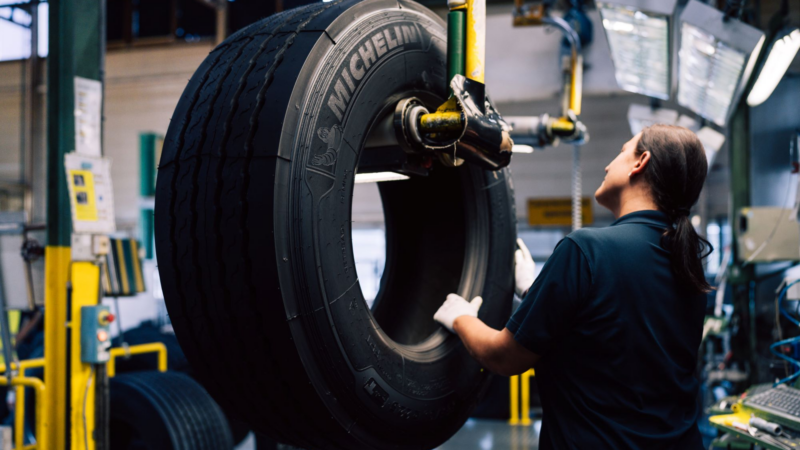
(641, 116)
(712, 141)
(639, 36)
(519, 148)
(779, 58)
(689, 122)
(377, 177)
(716, 59)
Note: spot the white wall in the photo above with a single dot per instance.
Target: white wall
(523, 63)
(142, 88)
(10, 120)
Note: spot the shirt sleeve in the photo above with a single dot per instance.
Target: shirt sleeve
(549, 309)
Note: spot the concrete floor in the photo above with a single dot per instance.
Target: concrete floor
(477, 434)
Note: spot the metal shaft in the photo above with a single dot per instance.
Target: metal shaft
(577, 195)
(456, 44)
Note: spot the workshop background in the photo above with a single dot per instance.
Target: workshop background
(747, 210)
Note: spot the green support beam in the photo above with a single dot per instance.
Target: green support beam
(456, 44)
(60, 119)
(741, 275)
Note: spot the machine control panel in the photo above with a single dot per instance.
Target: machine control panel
(95, 334)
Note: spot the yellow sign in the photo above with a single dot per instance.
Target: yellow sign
(557, 211)
(82, 183)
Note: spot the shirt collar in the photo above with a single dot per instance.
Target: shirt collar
(647, 217)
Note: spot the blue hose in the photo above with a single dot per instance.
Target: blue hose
(792, 341)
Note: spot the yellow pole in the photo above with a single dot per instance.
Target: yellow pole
(513, 389)
(576, 87)
(56, 261)
(476, 40)
(83, 379)
(525, 379)
(19, 417)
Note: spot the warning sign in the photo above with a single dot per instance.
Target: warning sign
(557, 211)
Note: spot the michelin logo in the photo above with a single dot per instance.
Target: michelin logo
(360, 61)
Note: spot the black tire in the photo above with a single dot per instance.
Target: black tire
(253, 234)
(165, 411)
(176, 362)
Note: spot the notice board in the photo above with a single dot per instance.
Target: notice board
(557, 212)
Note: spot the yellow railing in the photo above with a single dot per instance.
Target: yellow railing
(21, 382)
(155, 347)
(520, 416)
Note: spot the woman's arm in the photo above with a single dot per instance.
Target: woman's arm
(497, 351)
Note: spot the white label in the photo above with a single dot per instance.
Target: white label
(88, 111)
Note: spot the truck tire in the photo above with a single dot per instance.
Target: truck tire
(165, 411)
(253, 233)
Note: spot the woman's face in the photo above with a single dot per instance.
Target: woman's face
(618, 175)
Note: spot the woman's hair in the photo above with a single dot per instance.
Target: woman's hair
(676, 172)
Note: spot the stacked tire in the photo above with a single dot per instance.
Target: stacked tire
(154, 410)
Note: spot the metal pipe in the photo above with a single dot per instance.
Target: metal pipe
(31, 116)
(525, 398)
(456, 44)
(577, 194)
(441, 121)
(573, 74)
(5, 333)
(222, 21)
(41, 406)
(513, 390)
(155, 347)
(476, 41)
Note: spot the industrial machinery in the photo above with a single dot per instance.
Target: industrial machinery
(253, 220)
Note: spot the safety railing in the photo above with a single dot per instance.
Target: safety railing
(155, 347)
(520, 416)
(20, 382)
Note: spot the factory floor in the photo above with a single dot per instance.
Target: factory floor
(477, 434)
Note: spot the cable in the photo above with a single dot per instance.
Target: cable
(793, 341)
(85, 397)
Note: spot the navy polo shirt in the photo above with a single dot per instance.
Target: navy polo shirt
(618, 341)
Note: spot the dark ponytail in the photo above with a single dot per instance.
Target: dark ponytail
(676, 172)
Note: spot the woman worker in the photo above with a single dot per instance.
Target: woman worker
(613, 323)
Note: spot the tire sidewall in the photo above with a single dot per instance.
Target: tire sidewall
(370, 387)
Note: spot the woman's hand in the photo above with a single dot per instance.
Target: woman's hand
(496, 351)
(454, 307)
(524, 269)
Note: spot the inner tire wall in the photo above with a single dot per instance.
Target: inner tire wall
(425, 236)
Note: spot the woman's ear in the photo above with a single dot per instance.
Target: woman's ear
(641, 164)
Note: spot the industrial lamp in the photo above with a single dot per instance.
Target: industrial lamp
(639, 34)
(641, 116)
(779, 58)
(377, 177)
(716, 59)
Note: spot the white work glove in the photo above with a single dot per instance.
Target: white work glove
(524, 269)
(454, 307)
